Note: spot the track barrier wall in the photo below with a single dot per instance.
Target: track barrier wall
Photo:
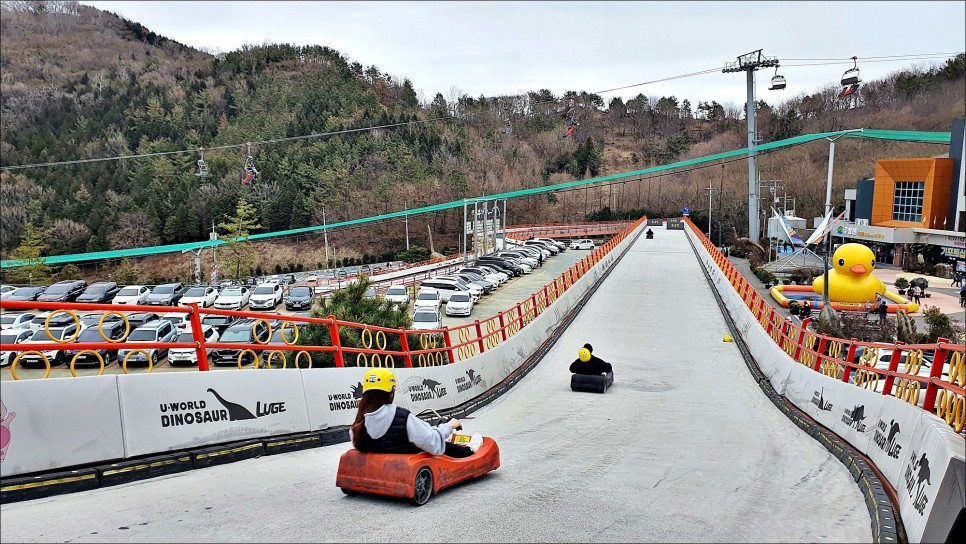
(63, 423)
(919, 453)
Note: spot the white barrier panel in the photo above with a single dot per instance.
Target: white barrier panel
(927, 474)
(50, 424)
(174, 411)
(332, 395)
(920, 456)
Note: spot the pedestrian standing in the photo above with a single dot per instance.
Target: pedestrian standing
(957, 279)
(916, 292)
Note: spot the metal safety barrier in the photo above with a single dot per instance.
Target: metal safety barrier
(836, 357)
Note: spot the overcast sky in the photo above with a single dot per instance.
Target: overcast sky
(495, 48)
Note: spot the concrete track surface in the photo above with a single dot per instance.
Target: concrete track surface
(684, 447)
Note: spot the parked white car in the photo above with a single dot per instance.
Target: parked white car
(397, 294)
(426, 320)
(189, 356)
(427, 299)
(202, 296)
(460, 304)
(15, 320)
(10, 337)
(4, 289)
(266, 296)
(585, 243)
(180, 320)
(233, 298)
(132, 294)
(54, 357)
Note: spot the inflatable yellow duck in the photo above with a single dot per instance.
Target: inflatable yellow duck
(851, 279)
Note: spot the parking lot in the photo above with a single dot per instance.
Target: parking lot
(512, 292)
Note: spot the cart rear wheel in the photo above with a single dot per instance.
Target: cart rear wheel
(423, 490)
(349, 492)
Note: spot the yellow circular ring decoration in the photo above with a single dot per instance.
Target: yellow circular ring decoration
(255, 336)
(957, 368)
(390, 361)
(271, 356)
(16, 361)
(912, 362)
(127, 327)
(366, 338)
(307, 355)
(132, 352)
(381, 340)
(362, 360)
(376, 360)
(421, 360)
(77, 326)
(242, 354)
(281, 330)
(907, 390)
(952, 408)
(78, 354)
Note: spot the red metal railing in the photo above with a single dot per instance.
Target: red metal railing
(435, 347)
(836, 357)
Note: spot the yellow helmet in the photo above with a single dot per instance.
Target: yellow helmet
(382, 379)
(583, 354)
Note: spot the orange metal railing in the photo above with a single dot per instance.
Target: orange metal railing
(435, 347)
(836, 357)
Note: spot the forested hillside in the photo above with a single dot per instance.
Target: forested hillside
(79, 84)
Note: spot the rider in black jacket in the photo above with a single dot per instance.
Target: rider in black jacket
(588, 363)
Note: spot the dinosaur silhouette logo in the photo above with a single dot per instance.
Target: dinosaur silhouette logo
(356, 390)
(886, 437)
(235, 411)
(434, 387)
(854, 417)
(5, 419)
(917, 474)
(818, 399)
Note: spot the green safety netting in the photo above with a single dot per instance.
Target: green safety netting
(899, 135)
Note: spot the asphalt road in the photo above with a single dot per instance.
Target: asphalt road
(684, 447)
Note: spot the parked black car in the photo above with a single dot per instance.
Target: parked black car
(167, 294)
(26, 293)
(241, 332)
(503, 264)
(219, 322)
(114, 330)
(100, 292)
(287, 279)
(299, 298)
(63, 291)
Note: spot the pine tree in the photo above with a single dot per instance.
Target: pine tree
(242, 256)
(32, 246)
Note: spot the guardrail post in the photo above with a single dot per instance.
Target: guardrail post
(404, 344)
(822, 345)
(520, 314)
(479, 334)
(936, 371)
(199, 337)
(502, 327)
(849, 357)
(801, 340)
(336, 342)
(893, 367)
(449, 345)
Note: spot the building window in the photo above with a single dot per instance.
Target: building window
(907, 205)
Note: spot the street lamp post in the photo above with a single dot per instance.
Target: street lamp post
(711, 190)
(831, 162)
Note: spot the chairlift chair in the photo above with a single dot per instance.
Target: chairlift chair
(250, 171)
(851, 76)
(202, 166)
(777, 81)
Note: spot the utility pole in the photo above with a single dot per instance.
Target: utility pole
(711, 190)
(831, 162)
(749, 63)
(213, 236)
(197, 253)
(407, 228)
(325, 234)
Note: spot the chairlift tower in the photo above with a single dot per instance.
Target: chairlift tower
(749, 63)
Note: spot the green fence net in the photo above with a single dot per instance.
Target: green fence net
(898, 135)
